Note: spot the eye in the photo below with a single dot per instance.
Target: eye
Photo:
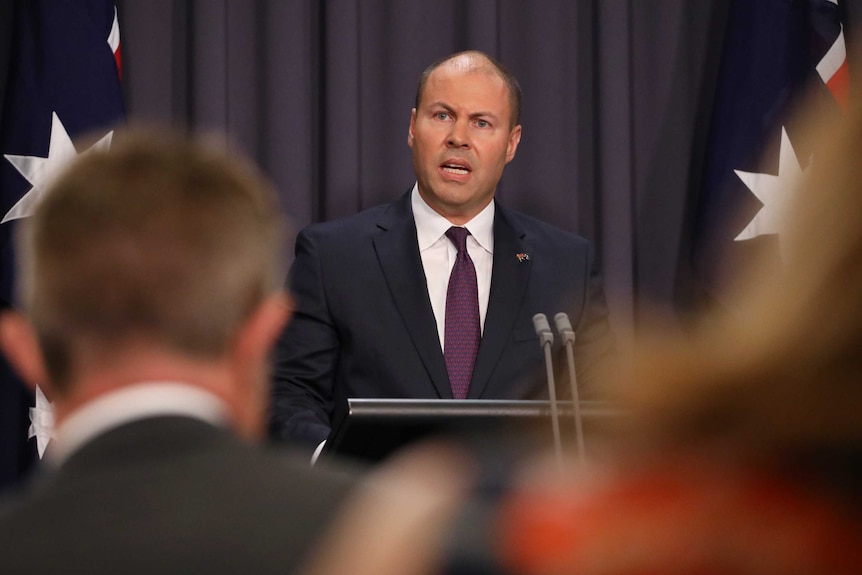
(483, 123)
(441, 115)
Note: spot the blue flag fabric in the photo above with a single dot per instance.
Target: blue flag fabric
(62, 82)
(774, 53)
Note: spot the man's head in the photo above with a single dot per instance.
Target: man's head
(463, 131)
(160, 244)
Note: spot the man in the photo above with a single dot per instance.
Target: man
(377, 314)
(152, 298)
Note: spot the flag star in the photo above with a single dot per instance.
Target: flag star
(40, 172)
(774, 192)
(41, 422)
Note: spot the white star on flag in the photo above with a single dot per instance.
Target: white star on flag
(41, 171)
(41, 422)
(773, 191)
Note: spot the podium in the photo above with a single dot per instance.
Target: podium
(372, 429)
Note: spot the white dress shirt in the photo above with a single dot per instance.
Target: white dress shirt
(438, 255)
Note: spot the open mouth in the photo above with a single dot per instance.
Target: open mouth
(456, 168)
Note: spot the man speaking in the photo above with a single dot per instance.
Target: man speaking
(432, 295)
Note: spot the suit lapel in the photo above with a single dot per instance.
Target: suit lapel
(398, 252)
(509, 280)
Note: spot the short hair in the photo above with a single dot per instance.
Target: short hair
(491, 65)
(161, 238)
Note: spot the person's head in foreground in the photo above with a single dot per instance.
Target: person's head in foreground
(156, 261)
(743, 451)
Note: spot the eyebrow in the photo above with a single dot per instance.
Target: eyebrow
(449, 108)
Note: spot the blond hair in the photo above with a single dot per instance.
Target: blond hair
(783, 371)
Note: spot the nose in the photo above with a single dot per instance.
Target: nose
(459, 135)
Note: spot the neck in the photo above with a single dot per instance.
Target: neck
(94, 379)
(456, 215)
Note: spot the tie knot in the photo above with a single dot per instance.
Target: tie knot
(458, 236)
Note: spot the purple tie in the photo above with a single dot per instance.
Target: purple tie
(462, 333)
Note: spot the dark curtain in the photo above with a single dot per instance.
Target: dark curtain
(319, 93)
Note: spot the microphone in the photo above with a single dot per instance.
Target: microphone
(546, 339)
(543, 329)
(564, 327)
(567, 334)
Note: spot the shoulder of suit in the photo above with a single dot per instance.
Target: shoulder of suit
(354, 224)
(537, 229)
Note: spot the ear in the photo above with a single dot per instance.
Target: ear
(411, 128)
(21, 346)
(250, 365)
(262, 328)
(514, 140)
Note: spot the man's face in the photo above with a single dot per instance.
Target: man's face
(461, 139)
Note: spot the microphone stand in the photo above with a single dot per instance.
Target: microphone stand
(564, 328)
(546, 339)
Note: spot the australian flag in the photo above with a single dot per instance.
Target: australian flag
(59, 80)
(775, 54)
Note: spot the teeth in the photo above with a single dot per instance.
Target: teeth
(456, 170)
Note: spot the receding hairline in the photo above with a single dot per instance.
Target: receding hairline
(475, 61)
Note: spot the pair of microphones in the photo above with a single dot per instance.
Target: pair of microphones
(546, 340)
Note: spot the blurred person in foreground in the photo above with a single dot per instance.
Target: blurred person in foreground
(150, 293)
(742, 450)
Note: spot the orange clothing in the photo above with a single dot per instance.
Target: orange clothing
(678, 520)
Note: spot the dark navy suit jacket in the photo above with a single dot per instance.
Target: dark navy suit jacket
(364, 327)
(169, 495)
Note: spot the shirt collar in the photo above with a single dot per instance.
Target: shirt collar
(430, 226)
(139, 401)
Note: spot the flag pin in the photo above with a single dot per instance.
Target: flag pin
(523, 257)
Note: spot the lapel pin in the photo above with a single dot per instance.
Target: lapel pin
(523, 257)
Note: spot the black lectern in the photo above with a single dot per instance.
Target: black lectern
(371, 429)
